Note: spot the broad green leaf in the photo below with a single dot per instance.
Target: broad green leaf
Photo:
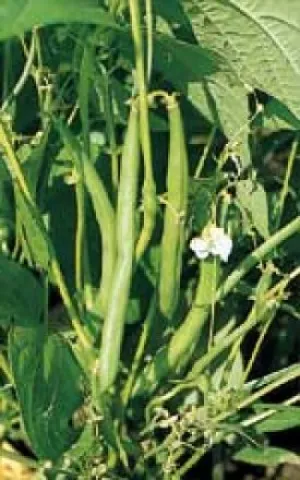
(268, 456)
(48, 384)
(21, 295)
(182, 62)
(173, 13)
(283, 418)
(18, 16)
(252, 196)
(260, 41)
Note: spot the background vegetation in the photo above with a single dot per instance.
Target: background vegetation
(128, 129)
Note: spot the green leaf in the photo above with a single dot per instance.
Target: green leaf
(268, 457)
(6, 195)
(21, 295)
(48, 384)
(182, 62)
(173, 13)
(32, 167)
(215, 92)
(18, 16)
(277, 116)
(259, 44)
(224, 103)
(283, 418)
(201, 196)
(252, 196)
(34, 235)
(260, 41)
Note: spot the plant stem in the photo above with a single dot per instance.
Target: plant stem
(205, 153)
(149, 24)
(195, 458)
(149, 188)
(110, 128)
(80, 231)
(139, 351)
(288, 377)
(266, 414)
(24, 76)
(256, 256)
(285, 187)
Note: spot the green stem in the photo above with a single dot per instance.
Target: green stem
(139, 351)
(266, 414)
(6, 69)
(285, 187)
(24, 76)
(149, 24)
(80, 231)
(257, 256)
(257, 347)
(288, 377)
(205, 153)
(110, 128)
(192, 461)
(149, 189)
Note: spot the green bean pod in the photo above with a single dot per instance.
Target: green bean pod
(174, 221)
(181, 346)
(105, 216)
(112, 333)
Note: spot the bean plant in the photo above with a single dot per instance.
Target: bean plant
(149, 235)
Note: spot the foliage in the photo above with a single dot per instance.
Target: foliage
(129, 132)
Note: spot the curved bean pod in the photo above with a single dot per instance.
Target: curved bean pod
(176, 205)
(184, 341)
(120, 289)
(105, 216)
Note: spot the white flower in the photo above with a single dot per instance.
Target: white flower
(213, 241)
(199, 247)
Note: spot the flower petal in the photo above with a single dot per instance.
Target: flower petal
(222, 245)
(200, 247)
